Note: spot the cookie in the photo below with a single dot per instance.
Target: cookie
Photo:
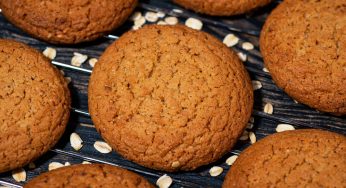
(34, 101)
(89, 175)
(66, 21)
(169, 97)
(304, 47)
(301, 158)
(223, 7)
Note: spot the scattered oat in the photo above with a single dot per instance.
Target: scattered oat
(140, 22)
(247, 46)
(175, 164)
(242, 56)
(151, 16)
(86, 162)
(161, 23)
(135, 16)
(268, 108)
(92, 62)
(19, 175)
(50, 53)
(284, 127)
(67, 164)
(194, 23)
(160, 14)
(102, 147)
(76, 141)
(265, 70)
(164, 181)
(171, 20)
(68, 80)
(249, 125)
(252, 137)
(256, 84)
(244, 136)
(295, 101)
(78, 59)
(136, 27)
(215, 171)
(231, 159)
(32, 165)
(177, 10)
(54, 165)
(62, 72)
(230, 40)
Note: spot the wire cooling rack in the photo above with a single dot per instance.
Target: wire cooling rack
(246, 27)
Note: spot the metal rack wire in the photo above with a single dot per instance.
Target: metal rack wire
(172, 12)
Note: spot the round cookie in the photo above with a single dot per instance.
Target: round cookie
(301, 158)
(34, 101)
(67, 21)
(91, 175)
(170, 98)
(304, 47)
(222, 7)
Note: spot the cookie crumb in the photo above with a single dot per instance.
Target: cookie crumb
(19, 175)
(68, 80)
(215, 171)
(231, 159)
(268, 108)
(284, 127)
(50, 53)
(54, 165)
(230, 40)
(244, 136)
(194, 23)
(171, 20)
(175, 164)
(247, 46)
(102, 147)
(164, 181)
(256, 84)
(76, 141)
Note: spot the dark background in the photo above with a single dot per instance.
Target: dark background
(246, 27)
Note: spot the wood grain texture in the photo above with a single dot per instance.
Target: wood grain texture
(285, 110)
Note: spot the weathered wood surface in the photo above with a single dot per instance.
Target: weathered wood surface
(285, 110)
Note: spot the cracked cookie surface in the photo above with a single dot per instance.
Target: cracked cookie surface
(304, 47)
(222, 7)
(89, 175)
(170, 98)
(67, 21)
(34, 101)
(300, 158)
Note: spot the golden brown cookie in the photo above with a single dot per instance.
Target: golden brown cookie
(34, 105)
(170, 98)
(301, 158)
(91, 175)
(222, 7)
(304, 47)
(67, 21)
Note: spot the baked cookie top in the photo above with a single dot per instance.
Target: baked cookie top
(67, 21)
(222, 7)
(34, 101)
(169, 97)
(89, 175)
(304, 47)
(301, 158)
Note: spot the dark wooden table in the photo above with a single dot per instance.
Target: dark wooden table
(246, 27)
